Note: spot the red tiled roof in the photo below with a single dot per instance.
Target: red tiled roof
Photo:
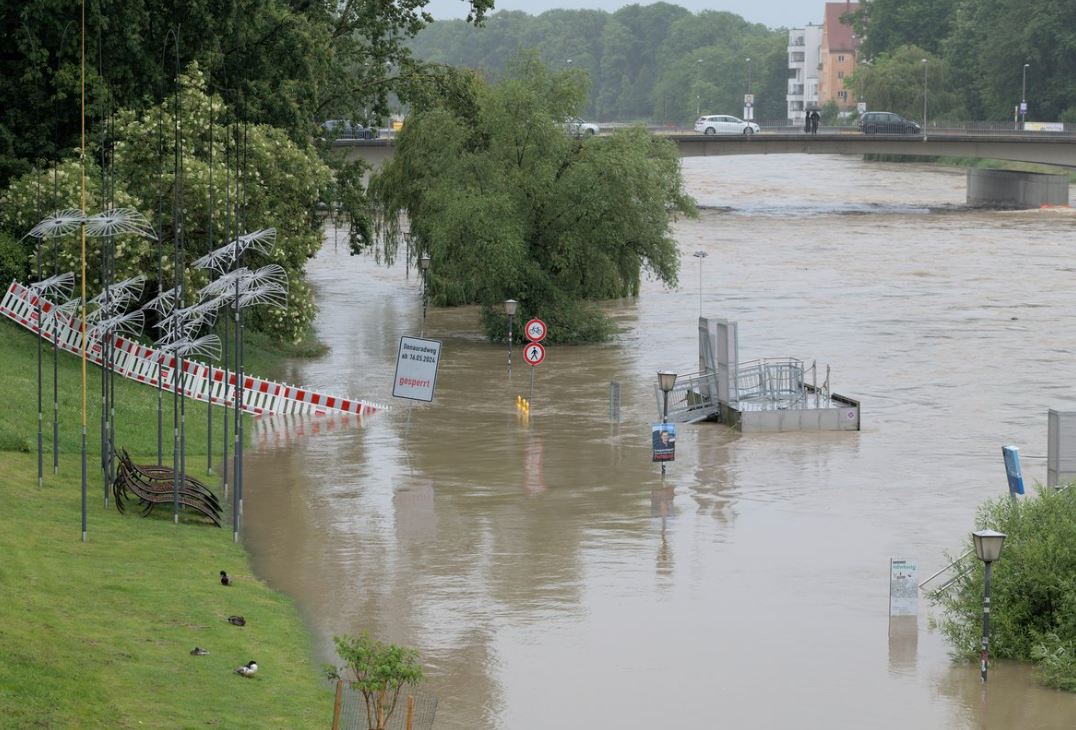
(839, 36)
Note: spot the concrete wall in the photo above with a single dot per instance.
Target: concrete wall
(844, 417)
(1009, 189)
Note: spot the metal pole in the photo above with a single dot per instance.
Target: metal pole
(700, 285)
(238, 416)
(209, 383)
(509, 345)
(82, 258)
(664, 421)
(178, 278)
(1023, 96)
(924, 97)
(985, 654)
(55, 369)
(532, 384)
(698, 88)
(422, 331)
(227, 234)
(40, 415)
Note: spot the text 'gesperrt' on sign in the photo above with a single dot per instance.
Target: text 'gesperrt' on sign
(416, 369)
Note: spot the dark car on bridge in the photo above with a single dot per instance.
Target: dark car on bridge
(344, 129)
(886, 123)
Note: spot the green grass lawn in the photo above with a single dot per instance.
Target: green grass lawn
(99, 634)
(136, 406)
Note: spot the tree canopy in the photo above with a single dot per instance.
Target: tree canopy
(287, 63)
(509, 205)
(378, 671)
(282, 186)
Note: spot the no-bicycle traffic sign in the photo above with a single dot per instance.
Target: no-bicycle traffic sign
(535, 330)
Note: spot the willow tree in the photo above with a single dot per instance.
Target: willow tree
(508, 205)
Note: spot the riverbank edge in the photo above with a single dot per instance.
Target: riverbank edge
(100, 634)
(975, 162)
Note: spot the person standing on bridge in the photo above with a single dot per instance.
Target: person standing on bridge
(807, 123)
(815, 119)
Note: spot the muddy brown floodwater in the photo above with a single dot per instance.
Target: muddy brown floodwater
(548, 578)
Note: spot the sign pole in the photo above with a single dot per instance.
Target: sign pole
(532, 384)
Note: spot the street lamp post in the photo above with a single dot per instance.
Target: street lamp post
(698, 88)
(748, 111)
(700, 255)
(988, 544)
(666, 381)
(510, 312)
(423, 264)
(924, 97)
(1023, 96)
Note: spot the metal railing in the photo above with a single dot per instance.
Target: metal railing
(693, 398)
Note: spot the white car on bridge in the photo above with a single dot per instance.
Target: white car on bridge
(578, 128)
(723, 124)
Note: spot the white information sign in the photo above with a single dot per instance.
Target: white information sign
(416, 369)
(903, 588)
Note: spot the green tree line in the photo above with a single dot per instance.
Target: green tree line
(659, 63)
(975, 51)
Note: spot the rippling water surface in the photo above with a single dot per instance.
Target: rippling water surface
(548, 577)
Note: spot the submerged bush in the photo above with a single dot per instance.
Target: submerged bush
(1033, 591)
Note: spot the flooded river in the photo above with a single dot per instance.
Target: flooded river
(551, 581)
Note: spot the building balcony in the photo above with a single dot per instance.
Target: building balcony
(795, 89)
(795, 64)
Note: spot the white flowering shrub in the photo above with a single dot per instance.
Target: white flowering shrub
(260, 179)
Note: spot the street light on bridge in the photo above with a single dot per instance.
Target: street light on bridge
(924, 97)
(698, 88)
(1023, 96)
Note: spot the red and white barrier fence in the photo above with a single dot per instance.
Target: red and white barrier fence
(144, 364)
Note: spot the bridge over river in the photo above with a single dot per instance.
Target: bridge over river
(1001, 188)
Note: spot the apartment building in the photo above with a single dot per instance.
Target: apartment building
(837, 56)
(803, 66)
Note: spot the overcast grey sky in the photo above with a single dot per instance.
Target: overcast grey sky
(774, 13)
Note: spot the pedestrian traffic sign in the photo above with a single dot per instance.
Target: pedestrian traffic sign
(535, 330)
(533, 353)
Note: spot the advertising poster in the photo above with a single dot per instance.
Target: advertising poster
(663, 436)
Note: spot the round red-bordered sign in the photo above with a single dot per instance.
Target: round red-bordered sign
(535, 330)
(533, 353)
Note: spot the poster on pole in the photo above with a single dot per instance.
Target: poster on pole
(903, 588)
(416, 369)
(663, 441)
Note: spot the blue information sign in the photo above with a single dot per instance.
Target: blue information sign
(1012, 469)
